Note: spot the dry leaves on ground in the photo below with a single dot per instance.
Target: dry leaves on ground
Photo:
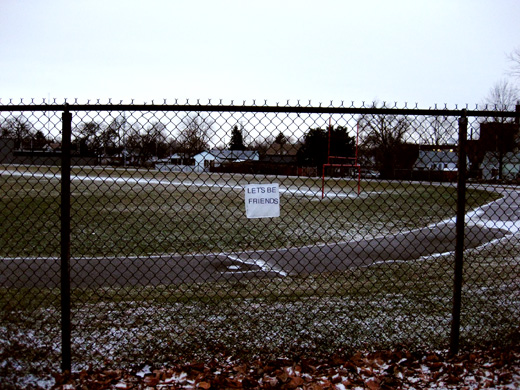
(491, 369)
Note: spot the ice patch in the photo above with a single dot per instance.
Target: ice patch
(263, 265)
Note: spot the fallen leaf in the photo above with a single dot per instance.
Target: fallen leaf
(373, 384)
(204, 385)
(295, 382)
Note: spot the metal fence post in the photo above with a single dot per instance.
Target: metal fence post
(459, 244)
(65, 241)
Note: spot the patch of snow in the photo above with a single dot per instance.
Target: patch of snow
(38, 382)
(263, 265)
(146, 370)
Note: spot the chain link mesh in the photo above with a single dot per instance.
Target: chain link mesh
(166, 265)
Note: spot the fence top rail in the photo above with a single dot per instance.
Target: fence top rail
(257, 108)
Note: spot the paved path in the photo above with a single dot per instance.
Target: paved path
(484, 225)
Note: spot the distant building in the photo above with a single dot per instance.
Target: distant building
(281, 153)
(436, 165)
(436, 160)
(204, 160)
(175, 163)
(495, 140)
(510, 166)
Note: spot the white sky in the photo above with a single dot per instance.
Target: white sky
(414, 51)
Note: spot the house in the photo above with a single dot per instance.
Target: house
(174, 159)
(204, 160)
(50, 154)
(495, 139)
(281, 153)
(436, 160)
(175, 163)
(436, 165)
(510, 164)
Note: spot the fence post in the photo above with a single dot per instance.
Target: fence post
(66, 356)
(459, 244)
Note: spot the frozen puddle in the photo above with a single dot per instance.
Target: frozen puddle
(263, 265)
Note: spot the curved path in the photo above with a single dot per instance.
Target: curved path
(488, 223)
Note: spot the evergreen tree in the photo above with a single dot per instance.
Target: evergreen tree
(315, 148)
(237, 139)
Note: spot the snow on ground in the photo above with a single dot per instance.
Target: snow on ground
(299, 191)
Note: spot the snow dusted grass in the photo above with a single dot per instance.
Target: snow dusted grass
(382, 306)
(138, 212)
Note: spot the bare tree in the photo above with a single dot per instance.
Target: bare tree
(437, 130)
(155, 140)
(116, 132)
(261, 143)
(133, 142)
(148, 142)
(87, 138)
(18, 128)
(109, 139)
(503, 96)
(382, 138)
(196, 135)
(514, 59)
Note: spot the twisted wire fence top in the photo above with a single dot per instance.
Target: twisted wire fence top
(289, 105)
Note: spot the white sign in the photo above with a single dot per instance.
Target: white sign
(262, 201)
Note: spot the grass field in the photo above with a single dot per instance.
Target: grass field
(129, 212)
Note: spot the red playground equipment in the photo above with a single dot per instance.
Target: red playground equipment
(343, 163)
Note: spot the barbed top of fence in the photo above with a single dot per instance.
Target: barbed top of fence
(254, 105)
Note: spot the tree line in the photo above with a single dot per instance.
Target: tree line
(381, 139)
(21, 130)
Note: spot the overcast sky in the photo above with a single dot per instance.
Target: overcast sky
(414, 51)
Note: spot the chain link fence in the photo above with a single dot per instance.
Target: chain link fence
(134, 233)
